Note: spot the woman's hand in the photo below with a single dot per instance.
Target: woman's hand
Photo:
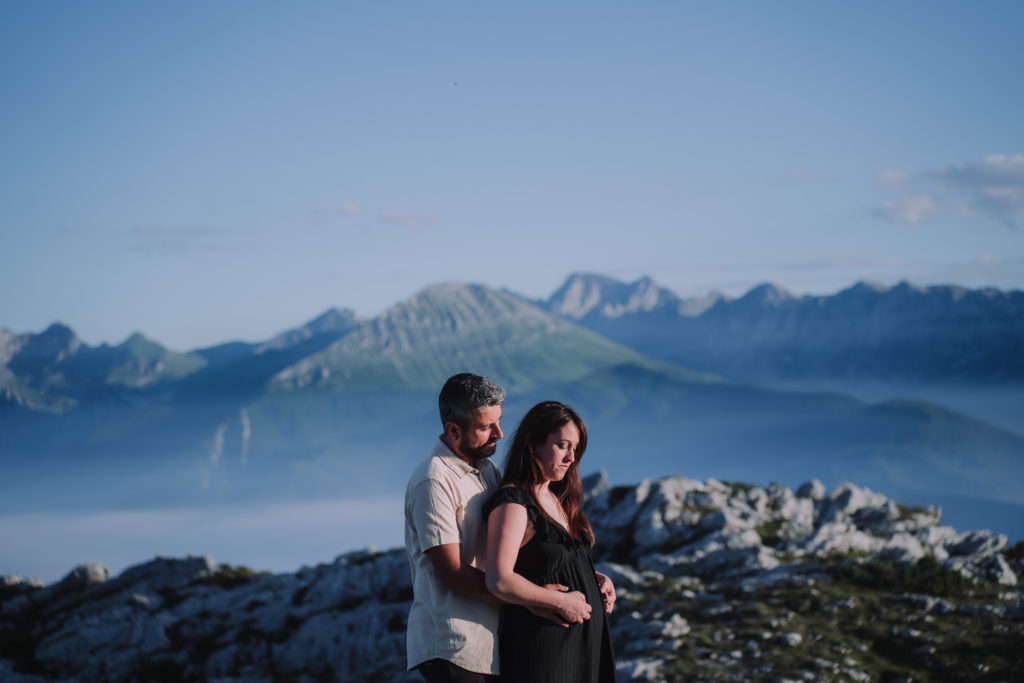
(506, 528)
(574, 607)
(607, 591)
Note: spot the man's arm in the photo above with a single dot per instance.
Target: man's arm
(467, 580)
(458, 576)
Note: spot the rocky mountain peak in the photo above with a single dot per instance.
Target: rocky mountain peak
(768, 295)
(334, 321)
(140, 343)
(51, 346)
(692, 307)
(864, 287)
(585, 294)
(452, 308)
(10, 344)
(451, 327)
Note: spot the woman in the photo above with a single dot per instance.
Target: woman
(537, 534)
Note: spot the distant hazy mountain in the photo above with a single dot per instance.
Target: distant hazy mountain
(335, 322)
(54, 370)
(344, 407)
(866, 332)
(301, 412)
(450, 327)
(591, 299)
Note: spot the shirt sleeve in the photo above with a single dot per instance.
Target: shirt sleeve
(435, 515)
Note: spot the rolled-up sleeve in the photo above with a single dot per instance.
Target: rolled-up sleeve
(435, 515)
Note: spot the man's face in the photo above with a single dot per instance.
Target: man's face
(480, 437)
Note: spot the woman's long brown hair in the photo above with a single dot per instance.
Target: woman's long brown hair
(522, 470)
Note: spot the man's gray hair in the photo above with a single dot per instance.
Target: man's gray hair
(464, 394)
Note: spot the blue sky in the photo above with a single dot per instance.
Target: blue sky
(208, 171)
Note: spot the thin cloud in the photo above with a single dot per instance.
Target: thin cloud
(351, 208)
(991, 187)
(994, 171)
(995, 186)
(893, 179)
(165, 239)
(408, 219)
(909, 210)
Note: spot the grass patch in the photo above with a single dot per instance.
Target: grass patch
(851, 627)
(162, 670)
(769, 532)
(910, 511)
(738, 486)
(926, 577)
(1015, 551)
(229, 576)
(617, 494)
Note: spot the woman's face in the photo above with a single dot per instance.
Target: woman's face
(556, 454)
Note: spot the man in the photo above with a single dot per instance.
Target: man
(453, 623)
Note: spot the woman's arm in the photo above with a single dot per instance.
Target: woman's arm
(506, 528)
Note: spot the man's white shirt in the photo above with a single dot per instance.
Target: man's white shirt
(443, 504)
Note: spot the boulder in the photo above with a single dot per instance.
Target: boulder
(812, 489)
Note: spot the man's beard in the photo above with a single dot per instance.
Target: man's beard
(480, 452)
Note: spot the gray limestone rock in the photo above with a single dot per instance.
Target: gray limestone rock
(84, 575)
(812, 489)
(346, 620)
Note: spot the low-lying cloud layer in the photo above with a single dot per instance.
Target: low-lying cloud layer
(277, 538)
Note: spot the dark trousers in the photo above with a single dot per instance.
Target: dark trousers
(443, 671)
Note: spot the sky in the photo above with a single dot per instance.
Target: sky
(210, 171)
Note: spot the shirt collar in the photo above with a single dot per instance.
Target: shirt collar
(454, 462)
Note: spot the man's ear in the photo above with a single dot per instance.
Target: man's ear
(453, 431)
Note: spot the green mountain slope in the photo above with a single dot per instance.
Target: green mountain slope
(452, 327)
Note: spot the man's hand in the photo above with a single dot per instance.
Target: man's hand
(575, 608)
(457, 576)
(551, 614)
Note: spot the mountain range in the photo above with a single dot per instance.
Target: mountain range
(345, 406)
(864, 333)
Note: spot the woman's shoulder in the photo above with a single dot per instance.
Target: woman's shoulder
(509, 494)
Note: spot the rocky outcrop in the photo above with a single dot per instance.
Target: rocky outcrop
(189, 619)
(722, 549)
(681, 526)
(727, 552)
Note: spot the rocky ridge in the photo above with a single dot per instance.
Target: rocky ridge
(716, 581)
(867, 332)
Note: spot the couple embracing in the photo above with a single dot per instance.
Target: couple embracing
(502, 577)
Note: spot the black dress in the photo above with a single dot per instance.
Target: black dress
(537, 650)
